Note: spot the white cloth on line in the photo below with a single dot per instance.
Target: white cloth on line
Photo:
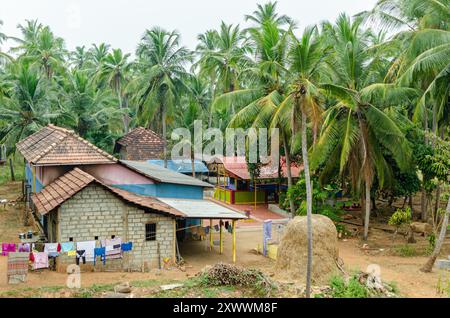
(89, 247)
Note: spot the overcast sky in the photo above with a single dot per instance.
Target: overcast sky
(122, 23)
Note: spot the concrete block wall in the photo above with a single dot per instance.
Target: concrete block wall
(95, 211)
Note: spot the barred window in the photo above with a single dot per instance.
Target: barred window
(150, 232)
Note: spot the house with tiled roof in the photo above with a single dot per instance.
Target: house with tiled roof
(140, 144)
(52, 151)
(81, 193)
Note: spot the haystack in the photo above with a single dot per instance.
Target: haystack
(293, 249)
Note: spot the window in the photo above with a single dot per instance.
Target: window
(150, 232)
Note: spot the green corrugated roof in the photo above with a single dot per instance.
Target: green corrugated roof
(162, 174)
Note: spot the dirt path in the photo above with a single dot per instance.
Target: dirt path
(404, 271)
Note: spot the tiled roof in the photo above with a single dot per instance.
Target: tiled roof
(54, 145)
(237, 166)
(66, 186)
(141, 144)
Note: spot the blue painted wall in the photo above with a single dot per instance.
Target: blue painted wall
(164, 190)
(29, 177)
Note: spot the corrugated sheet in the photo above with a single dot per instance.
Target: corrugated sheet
(202, 209)
(181, 166)
(162, 174)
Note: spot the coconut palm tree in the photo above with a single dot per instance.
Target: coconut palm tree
(79, 57)
(267, 12)
(226, 60)
(115, 69)
(42, 47)
(161, 63)
(302, 103)
(3, 38)
(260, 100)
(356, 134)
(29, 107)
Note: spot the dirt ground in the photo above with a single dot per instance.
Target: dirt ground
(403, 271)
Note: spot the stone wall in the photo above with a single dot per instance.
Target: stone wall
(96, 212)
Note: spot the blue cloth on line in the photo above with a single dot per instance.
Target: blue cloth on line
(100, 251)
(126, 247)
(67, 246)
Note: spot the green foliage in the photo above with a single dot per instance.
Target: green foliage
(320, 195)
(400, 217)
(352, 289)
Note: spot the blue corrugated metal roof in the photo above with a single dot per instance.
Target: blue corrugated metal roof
(162, 174)
(182, 166)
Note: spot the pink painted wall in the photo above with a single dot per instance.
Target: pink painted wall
(116, 174)
(47, 175)
(109, 174)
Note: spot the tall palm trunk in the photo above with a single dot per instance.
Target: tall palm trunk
(289, 173)
(367, 214)
(308, 204)
(164, 133)
(437, 249)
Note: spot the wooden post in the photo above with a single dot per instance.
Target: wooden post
(234, 240)
(11, 167)
(220, 235)
(210, 234)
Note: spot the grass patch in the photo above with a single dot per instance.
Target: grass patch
(5, 172)
(406, 251)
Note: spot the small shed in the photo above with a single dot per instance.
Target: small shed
(233, 181)
(140, 144)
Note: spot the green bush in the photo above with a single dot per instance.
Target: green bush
(352, 289)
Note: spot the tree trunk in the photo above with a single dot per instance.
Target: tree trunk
(438, 199)
(164, 132)
(11, 167)
(289, 173)
(308, 204)
(124, 116)
(193, 166)
(423, 205)
(437, 249)
(367, 215)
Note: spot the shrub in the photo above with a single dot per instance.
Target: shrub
(352, 289)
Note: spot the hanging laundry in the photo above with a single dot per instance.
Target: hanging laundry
(67, 247)
(39, 259)
(80, 254)
(17, 267)
(127, 247)
(38, 247)
(52, 249)
(227, 224)
(88, 247)
(207, 230)
(201, 231)
(113, 248)
(216, 228)
(230, 228)
(72, 253)
(24, 247)
(8, 248)
(100, 251)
